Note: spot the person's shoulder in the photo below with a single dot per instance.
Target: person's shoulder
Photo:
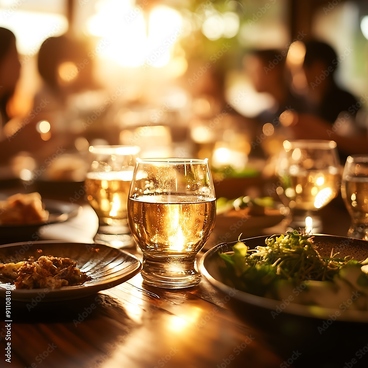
(341, 92)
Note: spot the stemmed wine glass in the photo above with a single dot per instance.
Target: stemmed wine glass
(171, 212)
(354, 191)
(309, 178)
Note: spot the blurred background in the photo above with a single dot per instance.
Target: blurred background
(153, 67)
(139, 43)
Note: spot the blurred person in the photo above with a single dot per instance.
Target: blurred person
(205, 82)
(19, 133)
(10, 69)
(324, 97)
(215, 121)
(65, 66)
(329, 111)
(307, 126)
(70, 97)
(266, 69)
(267, 72)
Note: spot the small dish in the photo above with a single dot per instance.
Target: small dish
(235, 223)
(106, 266)
(58, 212)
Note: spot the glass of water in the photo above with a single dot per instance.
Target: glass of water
(354, 191)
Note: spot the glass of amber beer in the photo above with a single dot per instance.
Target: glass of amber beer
(107, 186)
(171, 213)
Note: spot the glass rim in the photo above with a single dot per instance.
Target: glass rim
(172, 160)
(114, 149)
(309, 143)
(357, 158)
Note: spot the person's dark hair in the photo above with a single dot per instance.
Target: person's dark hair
(7, 42)
(270, 57)
(54, 51)
(316, 50)
(7, 38)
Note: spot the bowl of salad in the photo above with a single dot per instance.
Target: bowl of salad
(304, 295)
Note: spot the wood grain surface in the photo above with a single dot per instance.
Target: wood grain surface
(135, 326)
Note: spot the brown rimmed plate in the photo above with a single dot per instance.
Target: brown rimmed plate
(106, 266)
(242, 222)
(297, 332)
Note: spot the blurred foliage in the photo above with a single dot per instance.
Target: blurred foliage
(229, 49)
(197, 46)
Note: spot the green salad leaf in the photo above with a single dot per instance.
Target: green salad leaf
(292, 256)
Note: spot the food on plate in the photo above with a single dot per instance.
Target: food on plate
(67, 167)
(230, 172)
(45, 272)
(23, 209)
(246, 215)
(289, 267)
(246, 206)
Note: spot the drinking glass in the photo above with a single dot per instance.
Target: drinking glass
(354, 191)
(171, 212)
(309, 174)
(107, 186)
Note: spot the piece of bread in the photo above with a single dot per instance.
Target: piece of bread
(21, 209)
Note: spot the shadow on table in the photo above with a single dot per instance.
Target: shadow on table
(79, 333)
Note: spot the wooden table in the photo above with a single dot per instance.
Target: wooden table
(134, 326)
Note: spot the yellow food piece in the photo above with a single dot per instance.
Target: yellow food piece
(10, 270)
(23, 209)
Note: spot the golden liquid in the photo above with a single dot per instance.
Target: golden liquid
(312, 189)
(107, 193)
(181, 226)
(354, 191)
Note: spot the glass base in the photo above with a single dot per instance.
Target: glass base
(170, 272)
(116, 237)
(307, 222)
(359, 231)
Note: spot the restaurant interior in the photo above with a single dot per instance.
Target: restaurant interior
(224, 81)
(173, 70)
